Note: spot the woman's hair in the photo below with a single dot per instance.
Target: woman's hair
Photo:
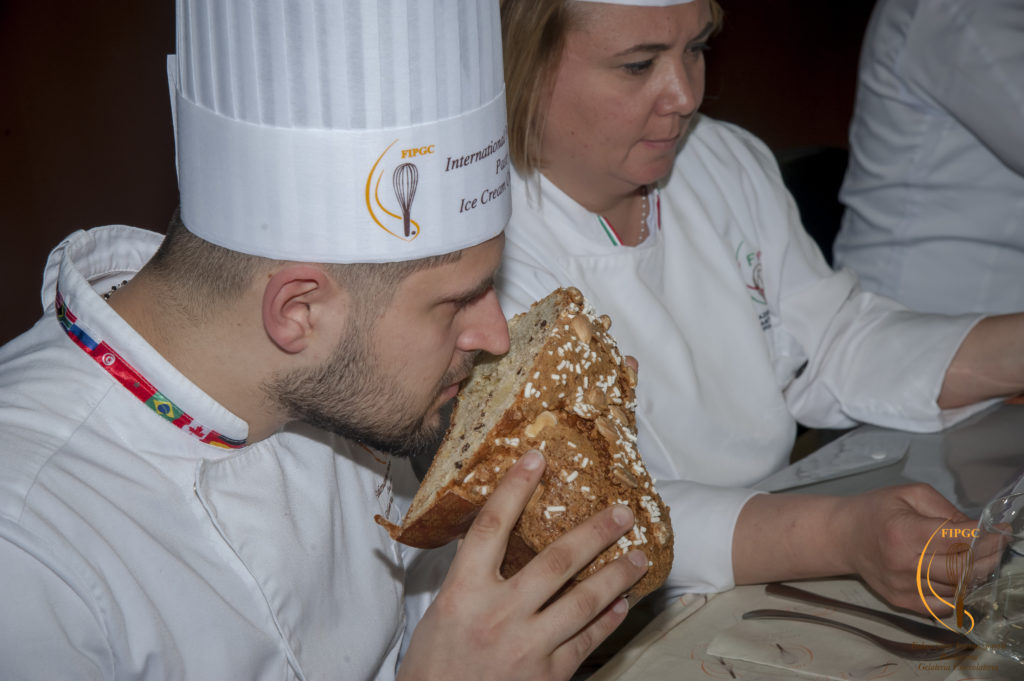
(533, 37)
(206, 277)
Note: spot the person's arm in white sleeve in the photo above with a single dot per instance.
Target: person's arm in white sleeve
(704, 518)
(989, 363)
(862, 357)
(874, 361)
(969, 57)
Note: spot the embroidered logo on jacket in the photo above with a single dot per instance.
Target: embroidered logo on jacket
(748, 259)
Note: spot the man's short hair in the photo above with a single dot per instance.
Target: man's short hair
(207, 277)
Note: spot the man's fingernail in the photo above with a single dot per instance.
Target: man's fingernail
(620, 606)
(532, 460)
(622, 516)
(638, 558)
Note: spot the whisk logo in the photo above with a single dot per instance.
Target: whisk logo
(405, 178)
(959, 561)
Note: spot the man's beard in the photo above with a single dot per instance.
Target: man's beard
(351, 395)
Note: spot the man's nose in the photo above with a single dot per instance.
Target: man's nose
(486, 328)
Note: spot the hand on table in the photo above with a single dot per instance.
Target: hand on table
(888, 531)
(481, 626)
(878, 535)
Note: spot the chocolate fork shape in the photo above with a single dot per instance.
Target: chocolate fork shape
(908, 625)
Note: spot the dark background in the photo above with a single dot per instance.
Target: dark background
(85, 125)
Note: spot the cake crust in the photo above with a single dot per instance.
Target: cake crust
(564, 389)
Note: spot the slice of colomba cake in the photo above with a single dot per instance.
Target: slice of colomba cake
(564, 389)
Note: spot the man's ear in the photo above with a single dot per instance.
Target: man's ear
(298, 301)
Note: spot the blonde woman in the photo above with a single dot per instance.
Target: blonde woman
(679, 227)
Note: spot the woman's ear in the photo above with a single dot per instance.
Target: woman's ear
(296, 301)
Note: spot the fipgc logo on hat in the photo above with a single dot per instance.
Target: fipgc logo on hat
(330, 130)
(405, 179)
(485, 184)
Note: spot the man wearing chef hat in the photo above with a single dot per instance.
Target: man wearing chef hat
(187, 483)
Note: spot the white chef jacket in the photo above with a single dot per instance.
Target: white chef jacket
(935, 185)
(130, 549)
(740, 329)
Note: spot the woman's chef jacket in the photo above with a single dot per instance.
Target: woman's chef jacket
(740, 329)
(132, 549)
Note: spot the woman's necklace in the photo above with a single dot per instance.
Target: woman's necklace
(645, 211)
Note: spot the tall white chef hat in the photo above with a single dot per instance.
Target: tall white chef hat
(340, 130)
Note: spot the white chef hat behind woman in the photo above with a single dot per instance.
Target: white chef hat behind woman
(340, 130)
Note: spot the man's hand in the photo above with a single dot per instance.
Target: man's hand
(481, 626)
